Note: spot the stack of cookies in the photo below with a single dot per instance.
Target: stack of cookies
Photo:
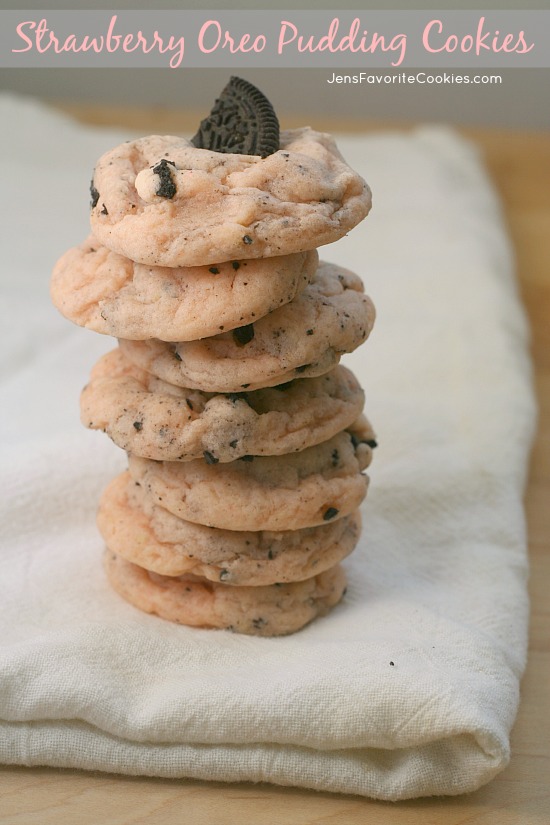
(245, 437)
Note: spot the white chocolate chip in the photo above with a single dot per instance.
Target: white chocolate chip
(146, 185)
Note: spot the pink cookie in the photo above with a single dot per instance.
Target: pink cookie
(302, 339)
(105, 292)
(153, 538)
(286, 492)
(273, 610)
(152, 419)
(160, 201)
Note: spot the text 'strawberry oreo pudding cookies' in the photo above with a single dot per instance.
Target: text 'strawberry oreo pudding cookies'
(246, 440)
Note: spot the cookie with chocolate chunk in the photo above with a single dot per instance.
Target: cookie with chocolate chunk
(153, 419)
(271, 610)
(302, 339)
(108, 293)
(161, 201)
(150, 536)
(289, 492)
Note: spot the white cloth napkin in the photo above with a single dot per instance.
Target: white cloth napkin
(410, 686)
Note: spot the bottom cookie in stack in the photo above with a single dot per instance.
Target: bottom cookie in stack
(269, 610)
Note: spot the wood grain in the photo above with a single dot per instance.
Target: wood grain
(520, 795)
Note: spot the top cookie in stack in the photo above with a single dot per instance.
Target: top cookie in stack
(203, 263)
(162, 202)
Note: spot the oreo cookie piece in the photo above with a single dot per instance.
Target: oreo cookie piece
(242, 121)
(167, 187)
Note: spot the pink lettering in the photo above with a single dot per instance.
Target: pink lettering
(44, 40)
(521, 42)
(426, 36)
(19, 29)
(41, 30)
(481, 38)
(202, 34)
(354, 41)
(127, 44)
(112, 41)
(283, 40)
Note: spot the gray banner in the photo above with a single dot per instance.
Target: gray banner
(270, 39)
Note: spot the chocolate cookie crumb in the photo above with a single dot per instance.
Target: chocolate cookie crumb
(94, 194)
(167, 187)
(243, 335)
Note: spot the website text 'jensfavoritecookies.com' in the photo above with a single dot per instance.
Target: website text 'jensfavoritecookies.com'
(420, 78)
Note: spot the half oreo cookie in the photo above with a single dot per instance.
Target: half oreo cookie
(242, 121)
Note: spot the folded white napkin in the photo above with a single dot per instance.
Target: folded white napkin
(410, 686)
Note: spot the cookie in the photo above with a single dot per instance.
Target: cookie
(163, 202)
(272, 610)
(242, 121)
(153, 538)
(304, 338)
(303, 489)
(108, 293)
(152, 419)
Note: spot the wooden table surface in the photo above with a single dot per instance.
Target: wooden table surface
(519, 164)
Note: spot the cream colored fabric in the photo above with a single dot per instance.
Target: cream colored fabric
(410, 686)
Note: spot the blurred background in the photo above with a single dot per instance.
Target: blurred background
(516, 104)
